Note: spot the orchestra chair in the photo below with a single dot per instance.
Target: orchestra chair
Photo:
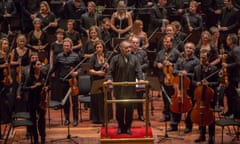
(19, 119)
(84, 85)
(234, 122)
(229, 122)
(54, 104)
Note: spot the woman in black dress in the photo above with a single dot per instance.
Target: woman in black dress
(34, 85)
(98, 69)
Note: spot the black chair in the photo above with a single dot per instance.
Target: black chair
(228, 122)
(55, 105)
(84, 85)
(19, 119)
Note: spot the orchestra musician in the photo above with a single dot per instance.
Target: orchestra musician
(90, 18)
(74, 35)
(20, 57)
(170, 31)
(184, 67)
(121, 20)
(7, 12)
(5, 82)
(192, 22)
(137, 31)
(158, 16)
(200, 73)
(105, 33)
(205, 43)
(48, 18)
(143, 60)
(37, 40)
(164, 62)
(98, 69)
(34, 84)
(227, 20)
(88, 49)
(233, 70)
(124, 67)
(65, 62)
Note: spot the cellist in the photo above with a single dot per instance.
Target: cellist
(185, 66)
(200, 72)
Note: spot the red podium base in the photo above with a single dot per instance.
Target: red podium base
(138, 136)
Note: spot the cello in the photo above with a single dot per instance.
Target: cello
(181, 102)
(202, 113)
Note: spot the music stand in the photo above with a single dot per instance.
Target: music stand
(153, 40)
(97, 86)
(69, 137)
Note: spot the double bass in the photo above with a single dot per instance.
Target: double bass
(181, 102)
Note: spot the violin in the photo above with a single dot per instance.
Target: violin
(19, 71)
(202, 114)
(7, 80)
(44, 94)
(168, 72)
(73, 83)
(223, 73)
(181, 102)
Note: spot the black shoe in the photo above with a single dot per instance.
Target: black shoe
(119, 131)
(171, 129)
(67, 122)
(75, 123)
(141, 118)
(187, 130)
(165, 119)
(128, 131)
(226, 113)
(211, 140)
(27, 135)
(43, 140)
(200, 139)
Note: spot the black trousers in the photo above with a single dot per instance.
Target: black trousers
(39, 122)
(124, 115)
(166, 104)
(232, 96)
(64, 89)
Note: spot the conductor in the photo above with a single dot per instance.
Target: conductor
(124, 67)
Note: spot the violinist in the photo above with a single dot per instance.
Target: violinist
(98, 69)
(20, 57)
(6, 79)
(64, 63)
(34, 84)
(5, 82)
(233, 70)
(200, 72)
(165, 59)
(184, 67)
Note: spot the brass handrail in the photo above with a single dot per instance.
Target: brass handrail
(106, 87)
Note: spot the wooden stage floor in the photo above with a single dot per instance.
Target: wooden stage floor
(88, 133)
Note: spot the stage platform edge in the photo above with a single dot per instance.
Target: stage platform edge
(127, 139)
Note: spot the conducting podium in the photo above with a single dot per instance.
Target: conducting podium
(140, 135)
